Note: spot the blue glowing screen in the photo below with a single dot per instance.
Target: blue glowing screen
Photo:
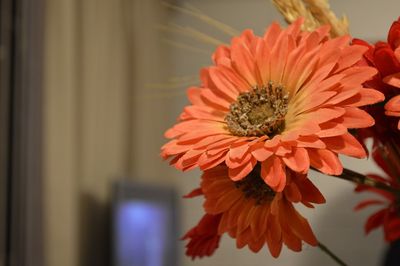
(141, 233)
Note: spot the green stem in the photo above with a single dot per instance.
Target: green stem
(331, 254)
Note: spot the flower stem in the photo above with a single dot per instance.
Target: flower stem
(364, 180)
(361, 179)
(331, 254)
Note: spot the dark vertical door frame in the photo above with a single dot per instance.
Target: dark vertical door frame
(6, 18)
(21, 100)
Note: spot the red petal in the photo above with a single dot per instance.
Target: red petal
(375, 220)
(194, 193)
(367, 203)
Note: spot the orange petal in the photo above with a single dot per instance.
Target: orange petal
(243, 61)
(194, 137)
(343, 95)
(364, 97)
(194, 95)
(357, 75)
(215, 161)
(391, 113)
(283, 149)
(238, 81)
(351, 55)
(393, 105)
(256, 244)
(299, 224)
(221, 52)
(298, 160)
(223, 224)
(272, 143)
(357, 118)
(222, 84)
(310, 142)
(243, 222)
(260, 152)
(191, 157)
(292, 193)
(325, 114)
(224, 202)
(282, 184)
(309, 192)
(242, 171)
(325, 161)
(210, 140)
(274, 236)
(331, 128)
(272, 33)
(278, 59)
(243, 238)
(258, 224)
(237, 153)
(263, 55)
(345, 144)
(236, 163)
(393, 80)
(272, 171)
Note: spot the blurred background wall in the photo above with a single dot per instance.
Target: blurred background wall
(106, 110)
(99, 126)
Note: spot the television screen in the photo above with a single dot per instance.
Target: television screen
(144, 225)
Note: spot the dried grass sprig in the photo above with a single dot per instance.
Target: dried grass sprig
(191, 33)
(200, 15)
(315, 12)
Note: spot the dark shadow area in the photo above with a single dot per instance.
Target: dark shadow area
(94, 231)
(392, 257)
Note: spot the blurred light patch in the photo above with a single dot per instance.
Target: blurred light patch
(141, 232)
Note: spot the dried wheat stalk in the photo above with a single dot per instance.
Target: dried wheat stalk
(315, 13)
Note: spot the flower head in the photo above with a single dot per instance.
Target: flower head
(388, 215)
(252, 213)
(282, 101)
(385, 56)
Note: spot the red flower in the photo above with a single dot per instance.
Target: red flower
(385, 56)
(204, 237)
(389, 215)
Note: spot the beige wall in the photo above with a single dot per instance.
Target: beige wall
(99, 124)
(104, 120)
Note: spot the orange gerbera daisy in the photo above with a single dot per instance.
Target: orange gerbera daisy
(285, 99)
(250, 211)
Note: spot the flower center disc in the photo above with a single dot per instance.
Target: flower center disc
(258, 112)
(253, 186)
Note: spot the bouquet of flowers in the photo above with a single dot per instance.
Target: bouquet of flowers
(273, 107)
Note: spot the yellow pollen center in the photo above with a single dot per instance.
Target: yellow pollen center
(261, 111)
